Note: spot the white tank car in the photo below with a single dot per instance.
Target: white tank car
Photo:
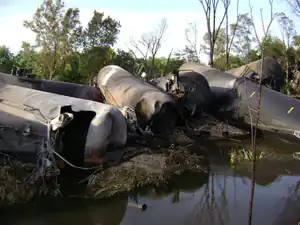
(97, 125)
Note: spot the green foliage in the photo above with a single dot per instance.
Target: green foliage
(234, 61)
(220, 44)
(101, 31)
(26, 57)
(71, 72)
(165, 65)
(6, 59)
(244, 38)
(124, 59)
(273, 47)
(66, 51)
(92, 60)
(56, 32)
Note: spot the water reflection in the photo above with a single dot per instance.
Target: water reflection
(65, 212)
(224, 199)
(220, 198)
(290, 208)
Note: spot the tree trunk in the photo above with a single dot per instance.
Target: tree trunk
(211, 55)
(227, 43)
(287, 76)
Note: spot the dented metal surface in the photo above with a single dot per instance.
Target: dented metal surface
(154, 108)
(219, 82)
(194, 88)
(96, 125)
(237, 101)
(272, 73)
(56, 87)
(137, 104)
(278, 112)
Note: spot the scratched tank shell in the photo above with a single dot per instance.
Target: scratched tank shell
(56, 87)
(153, 107)
(236, 100)
(193, 86)
(95, 126)
(272, 73)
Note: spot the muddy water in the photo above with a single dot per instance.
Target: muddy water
(222, 197)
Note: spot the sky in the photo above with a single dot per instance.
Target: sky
(136, 18)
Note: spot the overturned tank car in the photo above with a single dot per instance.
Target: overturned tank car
(76, 129)
(154, 109)
(191, 89)
(56, 87)
(272, 74)
(236, 101)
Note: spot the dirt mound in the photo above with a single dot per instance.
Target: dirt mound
(152, 167)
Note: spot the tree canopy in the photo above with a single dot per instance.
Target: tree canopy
(65, 50)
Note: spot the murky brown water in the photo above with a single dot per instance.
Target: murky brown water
(217, 199)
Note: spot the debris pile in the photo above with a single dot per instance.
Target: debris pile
(13, 188)
(151, 168)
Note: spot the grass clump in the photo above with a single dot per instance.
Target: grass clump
(244, 156)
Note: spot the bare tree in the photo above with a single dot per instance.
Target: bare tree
(243, 31)
(210, 8)
(287, 29)
(229, 42)
(149, 44)
(191, 49)
(295, 5)
(254, 134)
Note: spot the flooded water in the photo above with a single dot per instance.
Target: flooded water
(218, 198)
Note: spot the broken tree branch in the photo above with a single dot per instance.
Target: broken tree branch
(295, 5)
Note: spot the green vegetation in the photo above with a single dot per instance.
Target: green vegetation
(243, 155)
(65, 50)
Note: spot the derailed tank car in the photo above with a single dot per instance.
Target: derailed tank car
(154, 108)
(82, 128)
(191, 88)
(272, 74)
(56, 87)
(236, 100)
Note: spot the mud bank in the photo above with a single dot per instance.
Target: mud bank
(139, 167)
(151, 168)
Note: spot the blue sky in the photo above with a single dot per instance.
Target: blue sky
(136, 17)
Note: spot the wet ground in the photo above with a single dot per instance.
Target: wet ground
(220, 197)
